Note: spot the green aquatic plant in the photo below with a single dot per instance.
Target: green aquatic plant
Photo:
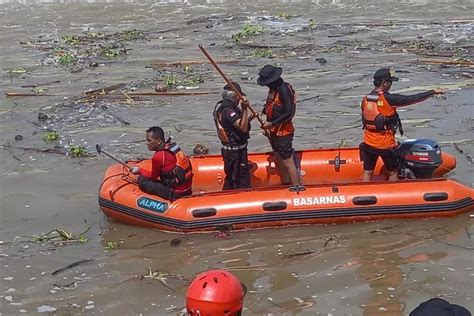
(70, 39)
(67, 59)
(18, 70)
(282, 16)
(262, 53)
(64, 57)
(50, 137)
(39, 90)
(94, 35)
(129, 35)
(171, 80)
(192, 80)
(248, 30)
(187, 68)
(461, 59)
(58, 235)
(78, 151)
(110, 52)
(111, 245)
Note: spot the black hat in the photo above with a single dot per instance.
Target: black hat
(236, 85)
(268, 74)
(439, 307)
(385, 74)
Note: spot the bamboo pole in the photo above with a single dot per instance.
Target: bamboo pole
(19, 94)
(191, 62)
(446, 62)
(169, 93)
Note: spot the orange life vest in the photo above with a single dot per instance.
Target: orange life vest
(182, 173)
(273, 100)
(380, 120)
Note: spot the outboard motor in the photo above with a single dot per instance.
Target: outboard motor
(418, 158)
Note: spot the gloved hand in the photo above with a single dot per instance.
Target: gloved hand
(135, 170)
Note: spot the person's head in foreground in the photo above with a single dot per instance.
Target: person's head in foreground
(439, 307)
(215, 292)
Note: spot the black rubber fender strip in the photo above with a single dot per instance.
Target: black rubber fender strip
(204, 212)
(365, 200)
(275, 206)
(435, 196)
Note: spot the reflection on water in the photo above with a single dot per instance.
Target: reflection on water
(202, 2)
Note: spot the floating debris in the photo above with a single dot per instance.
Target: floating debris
(111, 245)
(72, 265)
(46, 309)
(58, 235)
(247, 31)
(50, 136)
(200, 149)
(175, 242)
(78, 151)
(75, 52)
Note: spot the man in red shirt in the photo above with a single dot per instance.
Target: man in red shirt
(171, 172)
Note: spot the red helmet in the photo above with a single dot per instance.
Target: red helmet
(215, 293)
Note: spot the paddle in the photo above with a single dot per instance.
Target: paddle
(99, 149)
(231, 85)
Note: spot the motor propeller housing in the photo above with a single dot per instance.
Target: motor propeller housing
(420, 156)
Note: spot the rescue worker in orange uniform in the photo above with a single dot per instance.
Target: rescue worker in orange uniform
(233, 127)
(279, 109)
(380, 122)
(171, 171)
(215, 292)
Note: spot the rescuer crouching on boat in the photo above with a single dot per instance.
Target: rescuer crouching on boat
(380, 122)
(171, 171)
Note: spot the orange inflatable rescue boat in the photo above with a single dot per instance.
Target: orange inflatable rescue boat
(332, 193)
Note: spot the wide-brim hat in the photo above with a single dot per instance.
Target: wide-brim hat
(439, 307)
(268, 74)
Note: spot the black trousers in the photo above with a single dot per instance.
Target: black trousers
(369, 155)
(160, 189)
(236, 168)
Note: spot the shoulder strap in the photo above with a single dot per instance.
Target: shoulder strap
(372, 97)
(173, 148)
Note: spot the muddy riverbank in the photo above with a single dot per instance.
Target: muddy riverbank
(328, 49)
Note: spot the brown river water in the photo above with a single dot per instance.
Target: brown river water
(329, 50)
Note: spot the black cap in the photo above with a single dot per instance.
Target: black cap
(439, 307)
(268, 74)
(236, 85)
(385, 74)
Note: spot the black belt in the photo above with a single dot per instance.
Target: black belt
(238, 147)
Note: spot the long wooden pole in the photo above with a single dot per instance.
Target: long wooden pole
(231, 85)
(99, 149)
